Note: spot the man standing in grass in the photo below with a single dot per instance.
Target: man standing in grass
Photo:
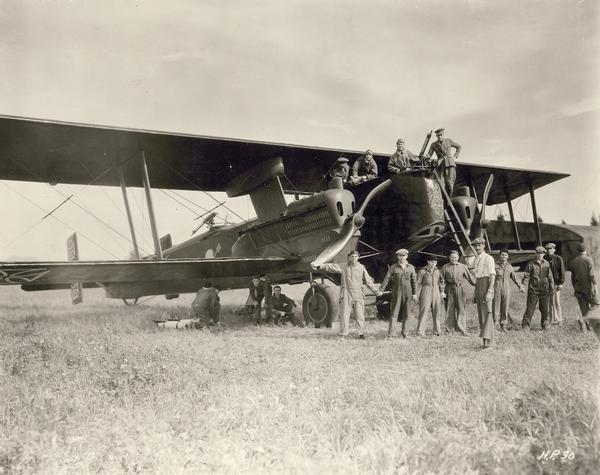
(431, 293)
(404, 290)
(485, 276)
(540, 279)
(504, 274)
(456, 275)
(557, 267)
(584, 284)
(352, 299)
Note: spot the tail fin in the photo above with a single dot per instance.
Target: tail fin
(73, 255)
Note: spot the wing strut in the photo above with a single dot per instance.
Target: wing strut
(147, 190)
(512, 216)
(536, 220)
(136, 250)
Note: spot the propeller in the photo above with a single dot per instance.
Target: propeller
(483, 223)
(352, 224)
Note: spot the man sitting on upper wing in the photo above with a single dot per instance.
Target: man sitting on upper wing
(364, 169)
(282, 307)
(402, 159)
(341, 169)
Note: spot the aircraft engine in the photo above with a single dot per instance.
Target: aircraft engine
(466, 207)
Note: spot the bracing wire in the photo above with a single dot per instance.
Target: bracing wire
(78, 205)
(60, 221)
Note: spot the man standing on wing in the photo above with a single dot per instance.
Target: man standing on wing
(485, 275)
(352, 299)
(446, 166)
(404, 291)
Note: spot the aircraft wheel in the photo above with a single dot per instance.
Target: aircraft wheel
(130, 302)
(321, 305)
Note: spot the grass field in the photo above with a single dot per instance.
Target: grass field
(98, 388)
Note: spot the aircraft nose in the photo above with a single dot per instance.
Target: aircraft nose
(358, 220)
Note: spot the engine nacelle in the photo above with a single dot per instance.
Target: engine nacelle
(465, 206)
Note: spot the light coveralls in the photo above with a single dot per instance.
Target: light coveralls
(504, 274)
(456, 277)
(352, 299)
(431, 284)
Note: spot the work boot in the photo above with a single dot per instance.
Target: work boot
(361, 337)
(502, 327)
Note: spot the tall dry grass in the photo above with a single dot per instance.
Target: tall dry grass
(98, 388)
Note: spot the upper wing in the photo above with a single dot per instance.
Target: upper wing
(51, 152)
(56, 273)
(62, 152)
(515, 180)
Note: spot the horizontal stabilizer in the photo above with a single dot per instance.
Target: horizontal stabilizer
(33, 274)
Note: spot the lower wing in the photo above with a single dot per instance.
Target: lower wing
(63, 273)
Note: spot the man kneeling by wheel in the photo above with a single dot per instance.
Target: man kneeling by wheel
(282, 307)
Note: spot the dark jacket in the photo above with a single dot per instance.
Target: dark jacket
(582, 274)
(283, 303)
(557, 267)
(539, 276)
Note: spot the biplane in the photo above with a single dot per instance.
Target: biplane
(287, 239)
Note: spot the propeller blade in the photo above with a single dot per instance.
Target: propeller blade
(486, 192)
(351, 226)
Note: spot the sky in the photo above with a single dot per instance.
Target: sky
(516, 83)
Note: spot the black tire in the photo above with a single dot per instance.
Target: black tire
(320, 305)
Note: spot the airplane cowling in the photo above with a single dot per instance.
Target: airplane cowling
(466, 207)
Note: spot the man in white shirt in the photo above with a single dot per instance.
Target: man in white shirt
(485, 275)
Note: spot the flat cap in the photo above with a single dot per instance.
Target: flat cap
(432, 259)
(550, 245)
(580, 247)
(454, 251)
(342, 160)
(505, 251)
(440, 130)
(402, 252)
(540, 250)
(478, 240)
(353, 252)
(400, 141)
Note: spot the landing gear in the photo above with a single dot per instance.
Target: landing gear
(320, 305)
(130, 303)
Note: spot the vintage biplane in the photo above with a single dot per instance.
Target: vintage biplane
(286, 241)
